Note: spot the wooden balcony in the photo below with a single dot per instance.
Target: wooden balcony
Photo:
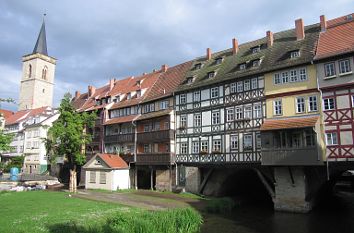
(119, 138)
(292, 156)
(128, 158)
(156, 136)
(155, 158)
(98, 121)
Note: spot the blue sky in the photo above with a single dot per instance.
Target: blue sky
(98, 40)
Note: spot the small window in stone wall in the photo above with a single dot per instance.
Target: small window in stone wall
(102, 177)
(92, 177)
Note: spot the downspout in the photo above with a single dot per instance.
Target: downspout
(135, 149)
(175, 136)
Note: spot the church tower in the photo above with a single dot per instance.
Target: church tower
(37, 81)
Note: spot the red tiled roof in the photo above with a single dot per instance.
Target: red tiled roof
(113, 161)
(120, 120)
(337, 39)
(6, 113)
(289, 123)
(21, 115)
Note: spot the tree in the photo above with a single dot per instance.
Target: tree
(5, 140)
(68, 137)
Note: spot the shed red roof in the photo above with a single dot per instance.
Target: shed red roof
(289, 123)
(337, 39)
(113, 161)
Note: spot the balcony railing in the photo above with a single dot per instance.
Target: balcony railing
(98, 121)
(155, 158)
(156, 136)
(119, 138)
(291, 156)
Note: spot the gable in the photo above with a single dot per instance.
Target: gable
(96, 163)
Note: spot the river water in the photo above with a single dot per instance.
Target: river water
(334, 215)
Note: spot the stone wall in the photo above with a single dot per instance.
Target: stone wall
(193, 179)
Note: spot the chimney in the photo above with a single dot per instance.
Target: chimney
(164, 68)
(208, 54)
(111, 84)
(234, 46)
(270, 39)
(91, 90)
(154, 70)
(299, 29)
(77, 94)
(145, 73)
(323, 23)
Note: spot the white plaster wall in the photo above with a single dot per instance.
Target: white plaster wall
(121, 179)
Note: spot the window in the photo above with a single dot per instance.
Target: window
(184, 148)
(254, 83)
(230, 114)
(344, 66)
(329, 69)
(204, 146)
(256, 49)
(129, 96)
(183, 122)
(310, 137)
(239, 86)
(284, 77)
(44, 73)
(138, 93)
(331, 138)
(29, 71)
(248, 112)
(295, 54)
(303, 75)
(243, 66)
(196, 96)
(256, 62)
(156, 125)
(102, 177)
(277, 107)
(190, 80)
(164, 104)
(217, 145)
(167, 125)
(293, 76)
(92, 177)
(215, 118)
(195, 147)
(247, 85)
(247, 142)
(328, 104)
(211, 74)
(167, 147)
(233, 142)
(300, 104)
(147, 148)
(352, 101)
(313, 104)
(197, 120)
(35, 144)
(198, 66)
(28, 145)
(257, 111)
(238, 113)
(214, 92)
(277, 79)
(258, 141)
(218, 60)
(233, 87)
(183, 98)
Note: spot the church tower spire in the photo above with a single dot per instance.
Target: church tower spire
(37, 83)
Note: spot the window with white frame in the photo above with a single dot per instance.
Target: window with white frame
(352, 101)
(102, 177)
(198, 66)
(196, 96)
(293, 76)
(233, 142)
(248, 112)
(183, 98)
(36, 144)
(218, 60)
(239, 86)
(233, 87)
(190, 80)
(313, 104)
(285, 77)
(277, 79)
(242, 66)
(331, 138)
(215, 118)
(211, 74)
(302, 74)
(254, 83)
(147, 128)
(156, 125)
(247, 142)
(129, 96)
(256, 49)
(197, 120)
(216, 145)
(28, 145)
(92, 176)
(147, 148)
(204, 146)
(257, 111)
(258, 141)
(247, 85)
(330, 69)
(295, 54)
(184, 148)
(195, 147)
(230, 114)
(183, 121)
(328, 103)
(344, 66)
(238, 113)
(215, 92)
(300, 104)
(278, 110)
(164, 104)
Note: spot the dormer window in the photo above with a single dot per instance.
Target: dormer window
(294, 54)
(243, 66)
(198, 66)
(138, 83)
(256, 49)
(129, 96)
(256, 63)
(218, 60)
(211, 74)
(138, 93)
(98, 102)
(117, 99)
(190, 80)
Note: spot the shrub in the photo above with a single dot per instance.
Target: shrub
(220, 205)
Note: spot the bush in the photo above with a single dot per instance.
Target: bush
(220, 205)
